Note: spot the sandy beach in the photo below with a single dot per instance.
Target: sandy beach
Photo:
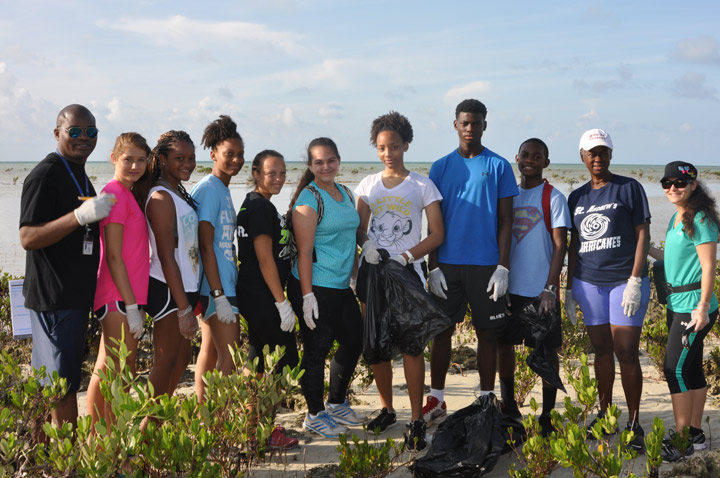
(316, 451)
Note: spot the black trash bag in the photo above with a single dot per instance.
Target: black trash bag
(400, 314)
(470, 441)
(661, 287)
(539, 325)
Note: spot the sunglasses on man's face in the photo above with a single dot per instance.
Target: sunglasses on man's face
(76, 131)
(678, 183)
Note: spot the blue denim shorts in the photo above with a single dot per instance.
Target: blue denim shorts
(59, 343)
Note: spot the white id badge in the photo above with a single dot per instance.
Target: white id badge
(87, 243)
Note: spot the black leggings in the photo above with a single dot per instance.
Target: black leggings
(683, 367)
(339, 320)
(263, 321)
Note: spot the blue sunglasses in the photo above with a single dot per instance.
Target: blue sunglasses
(76, 131)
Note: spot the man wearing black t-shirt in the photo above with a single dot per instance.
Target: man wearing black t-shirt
(58, 229)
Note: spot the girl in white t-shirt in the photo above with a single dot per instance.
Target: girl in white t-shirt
(390, 205)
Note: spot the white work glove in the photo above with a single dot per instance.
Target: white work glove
(187, 323)
(632, 296)
(287, 316)
(437, 283)
(372, 256)
(224, 310)
(699, 316)
(498, 282)
(310, 310)
(400, 259)
(95, 209)
(135, 319)
(571, 306)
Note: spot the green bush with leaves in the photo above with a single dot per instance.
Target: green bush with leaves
(525, 378)
(221, 437)
(366, 460)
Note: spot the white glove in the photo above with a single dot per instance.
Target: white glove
(287, 316)
(632, 296)
(399, 258)
(571, 306)
(498, 282)
(372, 256)
(95, 209)
(699, 316)
(310, 310)
(135, 319)
(437, 283)
(187, 323)
(224, 310)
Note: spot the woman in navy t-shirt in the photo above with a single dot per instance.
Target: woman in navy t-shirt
(608, 273)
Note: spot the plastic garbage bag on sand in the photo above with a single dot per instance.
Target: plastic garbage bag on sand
(400, 316)
(470, 441)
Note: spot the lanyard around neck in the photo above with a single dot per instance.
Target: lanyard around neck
(72, 175)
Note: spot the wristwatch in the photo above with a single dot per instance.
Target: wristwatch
(552, 289)
(217, 293)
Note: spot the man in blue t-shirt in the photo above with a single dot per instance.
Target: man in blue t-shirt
(477, 187)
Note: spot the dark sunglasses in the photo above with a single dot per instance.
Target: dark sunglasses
(76, 131)
(678, 183)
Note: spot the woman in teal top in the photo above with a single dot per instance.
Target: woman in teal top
(692, 308)
(324, 221)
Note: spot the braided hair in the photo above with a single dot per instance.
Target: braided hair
(221, 129)
(164, 144)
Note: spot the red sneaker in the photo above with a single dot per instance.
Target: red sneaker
(433, 409)
(280, 441)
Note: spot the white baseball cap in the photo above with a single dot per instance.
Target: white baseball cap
(595, 137)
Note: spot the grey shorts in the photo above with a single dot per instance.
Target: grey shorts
(59, 343)
(467, 284)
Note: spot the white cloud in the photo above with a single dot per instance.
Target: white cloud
(329, 73)
(203, 36)
(468, 90)
(602, 86)
(331, 110)
(702, 49)
(692, 85)
(19, 54)
(114, 107)
(591, 115)
(21, 113)
(285, 117)
(686, 127)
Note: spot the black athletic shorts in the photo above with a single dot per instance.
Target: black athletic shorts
(467, 284)
(160, 300)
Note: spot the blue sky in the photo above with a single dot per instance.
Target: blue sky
(288, 71)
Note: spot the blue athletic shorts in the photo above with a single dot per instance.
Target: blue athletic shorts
(59, 343)
(603, 304)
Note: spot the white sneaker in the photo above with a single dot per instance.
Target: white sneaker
(323, 424)
(344, 414)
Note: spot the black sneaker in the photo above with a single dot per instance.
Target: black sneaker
(670, 454)
(511, 410)
(415, 440)
(546, 427)
(589, 435)
(382, 422)
(697, 438)
(638, 441)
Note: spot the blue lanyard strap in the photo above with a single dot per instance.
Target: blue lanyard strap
(72, 175)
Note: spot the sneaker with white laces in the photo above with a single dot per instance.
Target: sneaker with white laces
(433, 409)
(323, 424)
(342, 413)
(697, 437)
(383, 421)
